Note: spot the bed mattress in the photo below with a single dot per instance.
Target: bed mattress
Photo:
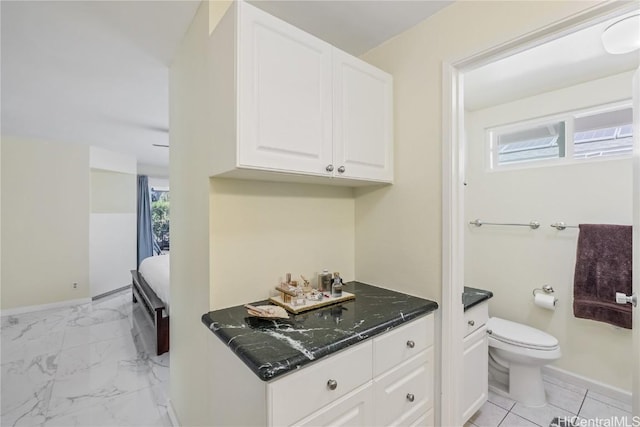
(155, 271)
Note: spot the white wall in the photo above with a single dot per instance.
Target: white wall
(45, 222)
(154, 170)
(108, 160)
(112, 230)
(511, 262)
(113, 220)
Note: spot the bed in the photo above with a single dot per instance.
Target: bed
(151, 289)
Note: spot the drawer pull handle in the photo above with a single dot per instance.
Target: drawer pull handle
(332, 384)
(411, 344)
(471, 322)
(410, 397)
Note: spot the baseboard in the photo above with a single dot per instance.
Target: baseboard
(173, 417)
(593, 385)
(41, 307)
(115, 291)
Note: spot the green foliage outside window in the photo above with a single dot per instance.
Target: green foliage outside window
(160, 217)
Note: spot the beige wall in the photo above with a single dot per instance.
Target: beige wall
(398, 228)
(189, 182)
(262, 230)
(45, 222)
(512, 262)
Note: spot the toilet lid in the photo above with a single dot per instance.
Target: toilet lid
(520, 335)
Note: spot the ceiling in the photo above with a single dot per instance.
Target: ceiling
(575, 58)
(96, 72)
(354, 26)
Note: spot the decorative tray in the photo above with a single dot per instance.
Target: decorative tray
(309, 304)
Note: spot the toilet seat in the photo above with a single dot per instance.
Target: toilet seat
(520, 335)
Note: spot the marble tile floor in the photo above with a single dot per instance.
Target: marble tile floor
(89, 365)
(567, 405)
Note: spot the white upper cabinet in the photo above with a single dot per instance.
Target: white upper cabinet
(285, 101)
(284, 79)
(362, 119)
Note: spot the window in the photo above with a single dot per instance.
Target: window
(160, 218)
(545, 141)
(574, 136)
(603, 134)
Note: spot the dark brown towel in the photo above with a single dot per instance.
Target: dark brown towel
(603, 267)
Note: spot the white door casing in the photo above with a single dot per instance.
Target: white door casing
(635, 386)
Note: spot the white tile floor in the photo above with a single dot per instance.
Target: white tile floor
(577, 405)
(88, 365)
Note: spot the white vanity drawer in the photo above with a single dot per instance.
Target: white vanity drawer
(404, 393)
(299, 394)
(475, 317)
(424, 420)
(402, 343)
(353, 410)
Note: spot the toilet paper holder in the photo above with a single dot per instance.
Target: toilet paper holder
(547, 289)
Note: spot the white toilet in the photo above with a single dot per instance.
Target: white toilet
(516, 354)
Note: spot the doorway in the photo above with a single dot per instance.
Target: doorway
(457, 181)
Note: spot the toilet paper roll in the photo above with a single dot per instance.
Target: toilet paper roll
(545, 301)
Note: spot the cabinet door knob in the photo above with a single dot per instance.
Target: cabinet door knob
(341, 169)
(471, 322)
(410, 397)
(329, 168)
(411, 344)
(332, 384)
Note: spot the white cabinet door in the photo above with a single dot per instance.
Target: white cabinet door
(284, 84)
(476, 359)
(354, 409)
(362, 119)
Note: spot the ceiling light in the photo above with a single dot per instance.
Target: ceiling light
(622, 36)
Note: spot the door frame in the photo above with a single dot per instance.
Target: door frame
(453, 176)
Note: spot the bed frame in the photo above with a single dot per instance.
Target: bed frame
(155, 308)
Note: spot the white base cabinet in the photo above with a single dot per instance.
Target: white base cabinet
(385, 381)
(287, 104)
(476, 360)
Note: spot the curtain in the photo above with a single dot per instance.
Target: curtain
(145, 234)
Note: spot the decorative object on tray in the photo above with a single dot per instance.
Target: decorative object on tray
(267, 311)
(296, 297)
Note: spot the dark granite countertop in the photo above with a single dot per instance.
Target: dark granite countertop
(474, 296)
(271, 348)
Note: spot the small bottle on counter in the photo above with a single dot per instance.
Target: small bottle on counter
(336, 287)
(324, 281)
